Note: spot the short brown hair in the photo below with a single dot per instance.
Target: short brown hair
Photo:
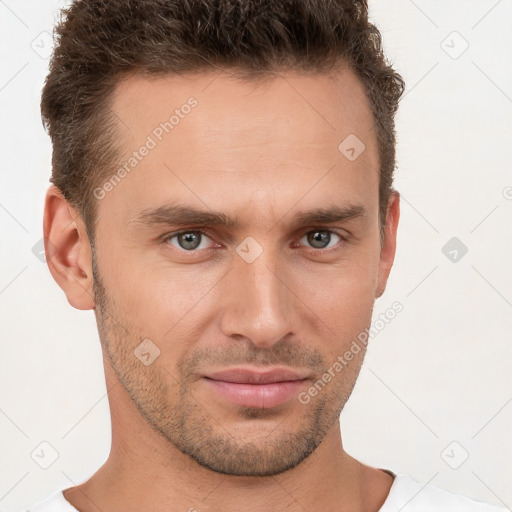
(100, 41)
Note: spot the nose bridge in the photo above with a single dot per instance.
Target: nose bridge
(260, 304)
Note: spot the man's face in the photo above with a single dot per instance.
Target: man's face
(267, 291)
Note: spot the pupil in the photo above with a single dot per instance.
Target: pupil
(189, 240)
(320, 239)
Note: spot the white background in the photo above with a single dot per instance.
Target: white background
(438, 373)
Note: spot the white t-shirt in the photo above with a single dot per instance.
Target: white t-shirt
(405, 495)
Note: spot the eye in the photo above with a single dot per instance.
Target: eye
(188, 240)
(196, 240)
(321, 238)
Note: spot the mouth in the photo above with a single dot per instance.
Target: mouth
(250, 387)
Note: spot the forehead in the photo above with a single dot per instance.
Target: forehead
(217, 141)
(304, 104)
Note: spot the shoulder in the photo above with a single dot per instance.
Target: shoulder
(408, 495)
(54, 503)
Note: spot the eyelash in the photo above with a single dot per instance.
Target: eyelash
(168, 236)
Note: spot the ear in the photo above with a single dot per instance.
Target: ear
(387, 252)
(68, 250)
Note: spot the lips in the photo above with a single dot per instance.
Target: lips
(256, 388)
(246, 376)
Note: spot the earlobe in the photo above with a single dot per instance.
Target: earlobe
(68, 251)
(388, 249)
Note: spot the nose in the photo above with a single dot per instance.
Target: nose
(259, 302)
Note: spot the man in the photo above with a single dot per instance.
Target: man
(222, 198)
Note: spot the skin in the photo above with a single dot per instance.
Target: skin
(261, 152)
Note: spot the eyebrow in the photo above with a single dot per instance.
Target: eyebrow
(181, 215)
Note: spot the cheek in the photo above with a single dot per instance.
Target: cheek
(343, 287)
(346, 314)
(164, 302)
(343, 300)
